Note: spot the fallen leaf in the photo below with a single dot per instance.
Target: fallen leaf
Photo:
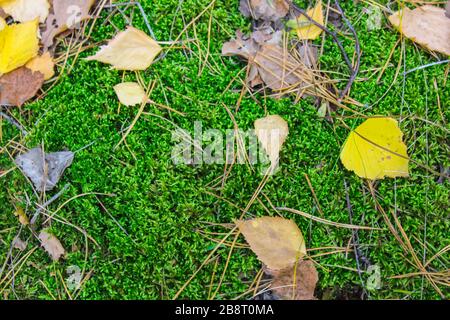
(375, 149)
(130, 93)
(20, 85)
(19, 244)
(44, 170)
(22, 216)
(272, 132)
(26, 10)
(131, 49)
(2, 24)
(44, 64)
(447, 9)
(297, 282)
(303, 28)
(426, 25)
(269, 10)
(277, 242)
(18, 44)
(67, 14)
(52, 245)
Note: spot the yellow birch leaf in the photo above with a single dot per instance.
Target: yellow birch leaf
(427, 25)
(26, 10)
(278, 242)
(131, 49)
(18, 44)
(375, 149)
(303, 28)
(44, 64)
(130, 93)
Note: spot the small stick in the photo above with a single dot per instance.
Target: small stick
(47, 203)
(14, 123)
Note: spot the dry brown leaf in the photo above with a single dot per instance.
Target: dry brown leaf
(65, 15)
(131, 49)
(272, 132)
(277, 242)
(447, 9)
(426, 25)
(269, 10)
(20, 85)
(26, 10)
(44, 64)
(52, 245)
(19, 244)
(295, 283)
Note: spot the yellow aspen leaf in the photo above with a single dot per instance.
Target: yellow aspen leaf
(18, 44)
(26, 10)
(427, 25)
(130, 93)
(278, 242)
(131, 49)
(375, 149)
(44, 64)
(303, 28)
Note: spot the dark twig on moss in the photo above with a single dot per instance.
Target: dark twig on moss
(13, 122)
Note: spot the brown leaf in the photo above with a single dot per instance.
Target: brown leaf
(19, 244)
(426, 25)
(447, 9)
(65, 15)
(295, 283)
(277, 242)
(52, 245)
(19, 85)
(270, 10)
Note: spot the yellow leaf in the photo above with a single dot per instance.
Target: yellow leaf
(26, 10)
(131, 49)
(130, 93)
(272, 132)
(277, 242)
(21, 215)
(2, 23)
(303, 28)
(18, 44)
(375, 149)
(427, 25)
(44, 64)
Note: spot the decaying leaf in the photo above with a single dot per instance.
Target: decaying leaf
(18, 44)
(52, 245)
(22, 216)
(375, 149)
(26, 10)
(277, 242)
(269, 10)
(130, 93)
(66, 15)
(44, 64)
(131, 49)
(44, 169)
(20, 85)
(303, 28)
(297, 282)
(272, 132)
(427, 25)
(19, 244)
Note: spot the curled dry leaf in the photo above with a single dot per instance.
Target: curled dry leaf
(20, 85)
(277, 242)
(26, 10)
(44, 169)
(18, 44)
(130, 93)
(272, 132)
(427, 25)
(65, 15)
(303, 28)
(44, 64)
(297, 282)
(52, 245)
(269, 10)
(375, 149)
(131, 49)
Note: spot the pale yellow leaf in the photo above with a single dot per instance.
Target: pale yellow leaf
(130, 93)
(26, 10)
(52, 245)
(18, 44)
(22, 216)
(427, 25)
(44, 64)
(2, 23)
(303, 27)
(375, 149)
(277, 242)
(131, 49)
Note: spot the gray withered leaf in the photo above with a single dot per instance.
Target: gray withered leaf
(44, 169)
